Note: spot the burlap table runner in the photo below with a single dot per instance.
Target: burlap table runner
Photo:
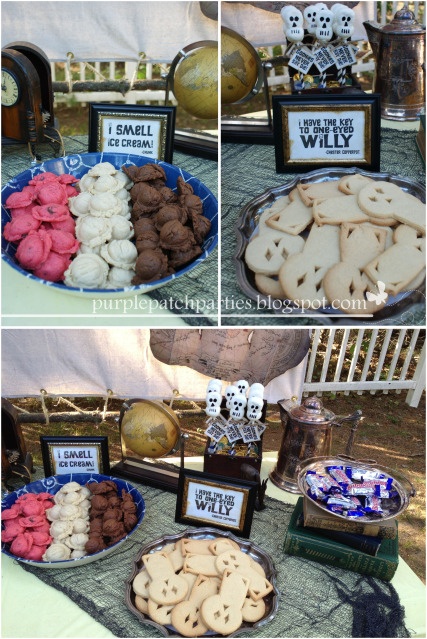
(248, 171)
(200, 286)
(315, 600)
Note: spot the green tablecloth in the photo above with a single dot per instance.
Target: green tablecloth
(248, 171)
(315, 601)
(199, 287)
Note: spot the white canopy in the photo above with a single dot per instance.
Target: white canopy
(96, 31)
(84, 362)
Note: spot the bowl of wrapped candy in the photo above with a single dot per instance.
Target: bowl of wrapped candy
(354, 489)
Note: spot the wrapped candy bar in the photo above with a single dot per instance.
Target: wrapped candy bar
(337, 472)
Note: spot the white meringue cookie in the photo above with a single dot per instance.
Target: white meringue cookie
(80, 525)
(123, 194)
(57, 552)
(124, 180)
(106, 184)
(85, 248)
(105, 205)
(69, 512)
(78, 554)
(77, 541)
(73, 498)
(52, 514)
(87, 271)
(86, 182)
(120, 277)
(121, 253)
(79, 204)
(102, 168)
(93, 231)
(70, 487)
(121, 228)
(61, 529)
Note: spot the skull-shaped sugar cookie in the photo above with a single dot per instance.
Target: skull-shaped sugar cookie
(254, 408)
(324, 22)
(343, 24)
(213, 404)
(238, 405)
(230, 392)
(294, 21)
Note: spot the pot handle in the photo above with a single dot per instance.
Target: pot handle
(355, 419)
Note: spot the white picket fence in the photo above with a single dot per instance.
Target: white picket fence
(277, 76)
(367, 360)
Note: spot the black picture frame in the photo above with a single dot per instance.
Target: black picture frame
(135, 129)
(317, 131)
(223, 502)
(85, 455)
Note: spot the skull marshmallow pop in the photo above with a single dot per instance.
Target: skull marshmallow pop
(294, 21)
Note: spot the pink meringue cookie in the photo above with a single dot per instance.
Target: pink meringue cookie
(30, 508)
(11, 530)
(51, 192)
(34, 249)
(63, 242)
(41, 538)
(33, 521)
(21, 210)
(51, 212)
(19, 199)
(19, 227)
(36, 552)
(67, 178)
(67, 224)
(11, 513)
(21, 545)
(53, 268)
(46, 176)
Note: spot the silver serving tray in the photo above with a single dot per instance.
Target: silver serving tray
(247, 227)
(246, 546)
(401, 484)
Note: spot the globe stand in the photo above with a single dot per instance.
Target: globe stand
(245, 130)
(157, 473)
(192, 141)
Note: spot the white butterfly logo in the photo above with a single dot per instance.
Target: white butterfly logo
(379, 298)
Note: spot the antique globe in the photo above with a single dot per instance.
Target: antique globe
(150, 429)
(241, 68)
(194, 79)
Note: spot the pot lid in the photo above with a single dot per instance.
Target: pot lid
(404, 22)
(312, 411)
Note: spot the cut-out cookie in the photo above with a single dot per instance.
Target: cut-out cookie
(380, 199)
(318, 191)
(266, 252)
(396, 267)
(352, 184)
(361, 243)
(338, 210)
(347, 288)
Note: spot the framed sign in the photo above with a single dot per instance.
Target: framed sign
(66, 455)
(326, 130)
(218, 501)
(136, 129)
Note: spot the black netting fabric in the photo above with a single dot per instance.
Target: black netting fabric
(315, 600)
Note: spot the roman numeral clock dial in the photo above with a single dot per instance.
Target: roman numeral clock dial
(9, 88)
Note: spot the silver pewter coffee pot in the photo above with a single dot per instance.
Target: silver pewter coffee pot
(307, 433)
(399, 52)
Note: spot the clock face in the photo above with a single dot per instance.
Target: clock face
(9, 88)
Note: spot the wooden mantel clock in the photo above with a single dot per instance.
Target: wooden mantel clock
(26, 97)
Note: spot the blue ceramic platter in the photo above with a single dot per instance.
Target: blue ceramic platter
(52, 485)
(79, 165)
